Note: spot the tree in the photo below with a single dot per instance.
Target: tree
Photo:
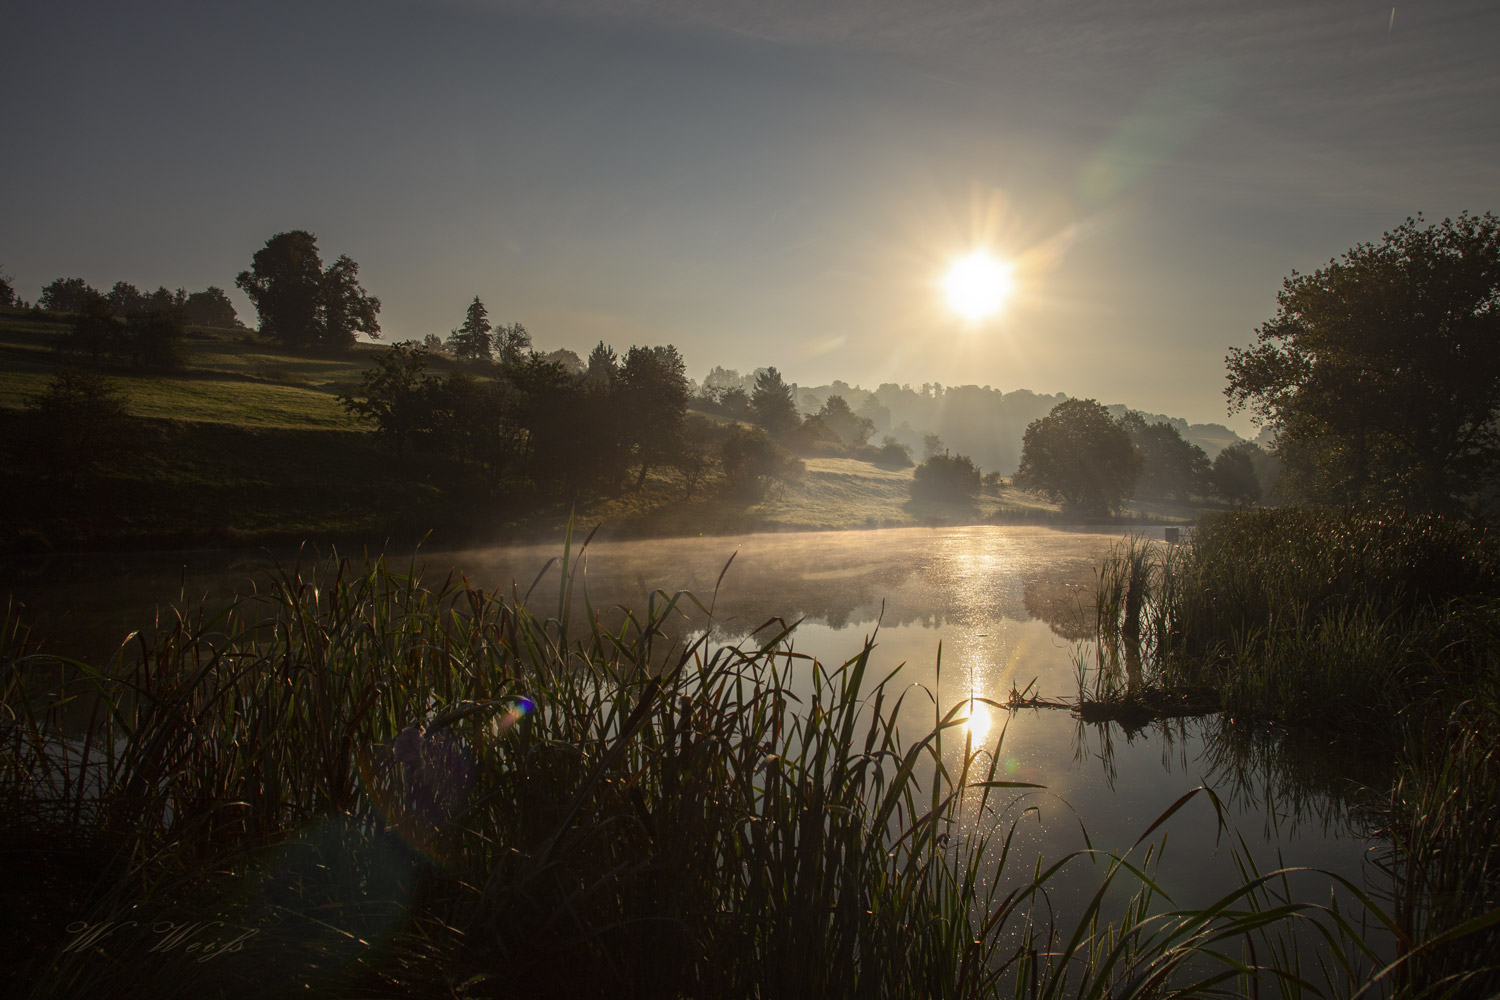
(511, 344)
(851, 429)
(753, 463)
(1171, 469)
(211, 307)
(71, 295)
(1233, 475)
(772, 406)
(1380, 372)
(946, 477)
(347, 308)
(395, 394)
(1079, 456)
(300, 304)
(126, 299)
(604, 364)
(7, 289)
(97, 332)
(154, 338)
(78, 426)
(472, 341)
(652, 391)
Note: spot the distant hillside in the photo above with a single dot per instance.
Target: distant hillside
(984, 423)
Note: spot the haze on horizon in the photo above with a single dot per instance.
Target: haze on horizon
(761, 184)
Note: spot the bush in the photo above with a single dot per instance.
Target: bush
(891, 454)
(753, 462)
(946, 477)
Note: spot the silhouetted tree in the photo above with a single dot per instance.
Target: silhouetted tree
(1380, 372)
(97, 332)
(71, 295)
(772, 406)
(511, 344)
(603, 364)
(1171, 468)
(472, 340)
(125, 298)
(8, 295)
(1079, 456)
(302, 305)
(735, 402)
(155, 338)
(1233, 474)
(211, 307)
(396, 394)
(652, 392)
(347, 308)
(76, 426)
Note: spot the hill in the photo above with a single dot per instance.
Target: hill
(248, 444)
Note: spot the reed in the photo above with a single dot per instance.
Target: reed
(403, 790)
(1381, 632)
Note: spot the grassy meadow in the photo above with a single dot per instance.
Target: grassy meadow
(248, 444)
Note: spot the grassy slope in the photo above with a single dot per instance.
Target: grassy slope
(250, 444)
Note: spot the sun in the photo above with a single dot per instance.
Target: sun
(978, 285)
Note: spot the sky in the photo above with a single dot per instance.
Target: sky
(777, 183)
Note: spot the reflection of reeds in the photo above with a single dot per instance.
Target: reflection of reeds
(1378, 631)
(435, 792)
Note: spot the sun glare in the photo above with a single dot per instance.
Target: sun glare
(978, 285)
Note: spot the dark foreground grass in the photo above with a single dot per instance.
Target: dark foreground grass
(352, 784)
(1378, 632)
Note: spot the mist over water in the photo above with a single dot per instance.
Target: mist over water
(968, 614)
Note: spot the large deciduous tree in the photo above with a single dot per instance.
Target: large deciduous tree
(211, 307)
(1079, 456)
(1381, 373)
(1171, 468)
(301, 304)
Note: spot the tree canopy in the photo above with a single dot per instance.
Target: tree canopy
(1380, 372)
(1079, 456)
(301, 304)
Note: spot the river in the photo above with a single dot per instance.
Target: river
(967, 613)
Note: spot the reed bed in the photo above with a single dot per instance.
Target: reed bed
(352, 784)
(1376, 632)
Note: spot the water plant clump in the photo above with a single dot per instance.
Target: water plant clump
(1380, 631)
(353, 784)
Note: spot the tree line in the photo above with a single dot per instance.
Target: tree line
(1378, 379)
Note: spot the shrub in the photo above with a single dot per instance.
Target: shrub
(946, 477)
(753, 462)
